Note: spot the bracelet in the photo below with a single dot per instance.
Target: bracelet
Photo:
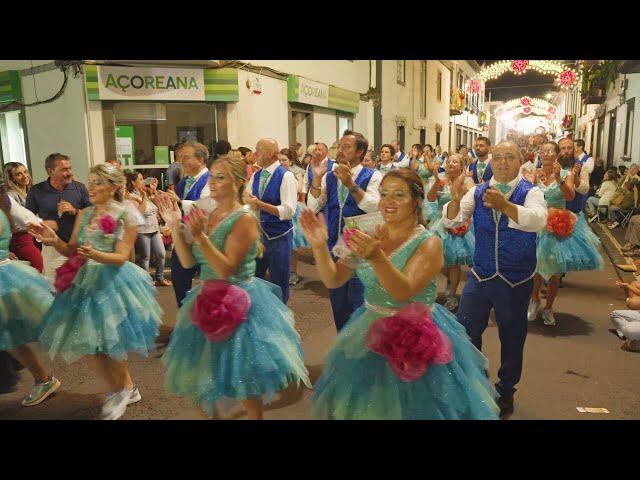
(316, 188)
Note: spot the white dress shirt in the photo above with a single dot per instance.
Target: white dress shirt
(22, 216)
(589, 165)
(404, 163)
(187, 204)
(532, 216)
(288, 191)
(305, 185)
(370, 199)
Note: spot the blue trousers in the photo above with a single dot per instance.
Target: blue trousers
(181, 277)
(277, 259)
(345, 300)
(510, 307)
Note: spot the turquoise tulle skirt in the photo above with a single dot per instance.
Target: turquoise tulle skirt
(25, 298)
(357, 384)
(299, 240)
(262, 357)
(431, 212)
(458, 249)
(108, 309)
(575, 253)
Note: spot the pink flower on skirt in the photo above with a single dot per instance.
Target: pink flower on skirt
(219, 309)
(107, 224)
(67, 272)
(410, 341)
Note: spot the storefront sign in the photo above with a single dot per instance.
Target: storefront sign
(306, 91)
(10, 87)
(161, 84)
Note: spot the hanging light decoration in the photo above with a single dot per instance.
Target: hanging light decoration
(525, 101)
(475, 85)
(519, 66)
(566, 77)
(526, 110)
(528, 105)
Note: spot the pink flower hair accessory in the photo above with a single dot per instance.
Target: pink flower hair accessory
(219, 309)
(107, 224)
(67, 272)
(410, 341)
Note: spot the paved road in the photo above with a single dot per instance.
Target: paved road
(578, 363)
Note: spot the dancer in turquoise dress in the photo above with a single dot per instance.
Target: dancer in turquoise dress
(109, 307)
(559, 254)
(366, 379)
(458, 244)
(25, 297)
(260, 354)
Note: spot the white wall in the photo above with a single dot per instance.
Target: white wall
(437, 111)
(363, 121)
(350, 75)
(257, 116)
(59, 126)
(398, 103)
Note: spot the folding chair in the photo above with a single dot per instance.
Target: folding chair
(627, 214)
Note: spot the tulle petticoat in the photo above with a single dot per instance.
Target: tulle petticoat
(262, 357)
(359, 384)
(577, 252)
(108, 309)
(25, 298)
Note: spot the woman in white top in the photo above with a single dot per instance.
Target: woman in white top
(149, 238)
(22, 245)
(603, 196)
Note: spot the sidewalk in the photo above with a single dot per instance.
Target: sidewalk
(612, 242)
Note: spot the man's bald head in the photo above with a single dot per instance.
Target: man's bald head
(506, 161)
(267, 151)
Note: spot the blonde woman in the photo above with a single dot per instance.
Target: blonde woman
(22, 245)
(109, 308)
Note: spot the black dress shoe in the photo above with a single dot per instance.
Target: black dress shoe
(506, 405)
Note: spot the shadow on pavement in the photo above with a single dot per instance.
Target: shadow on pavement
(62, 405)
(567, 325)
(317, 287)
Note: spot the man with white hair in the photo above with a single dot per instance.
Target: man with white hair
(507, 213)
(273, 193)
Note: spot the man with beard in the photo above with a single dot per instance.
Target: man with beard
(481, 168)
(348, 190)
(580, 172)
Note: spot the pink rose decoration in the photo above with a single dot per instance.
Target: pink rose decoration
(107, 224)
(67, 272)
(410, 341)
(347, 233)
(219, 309)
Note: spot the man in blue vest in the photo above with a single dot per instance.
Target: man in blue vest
(348, 190)
(580, 172)
(507, 213)
(274, 194)
(193, 187)
(481, 168)
(402, 160)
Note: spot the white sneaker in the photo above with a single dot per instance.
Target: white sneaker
(40, 392)
(451, 303)
(134, 395)
(116, 405)
(532, 311)
(548, 318)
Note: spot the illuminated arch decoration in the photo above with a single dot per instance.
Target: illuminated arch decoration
(529, 106)
(566, 76)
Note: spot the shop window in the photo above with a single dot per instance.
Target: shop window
(301, 124)
(437, 138)
(145, 132)
(423, 136)
(400, 136)
(628, 135)
(344, 122)
(458, 138)
(12, 138)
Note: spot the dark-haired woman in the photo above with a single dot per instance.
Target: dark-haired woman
(398, 267)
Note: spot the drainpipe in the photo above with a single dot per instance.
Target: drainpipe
(377, 108)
